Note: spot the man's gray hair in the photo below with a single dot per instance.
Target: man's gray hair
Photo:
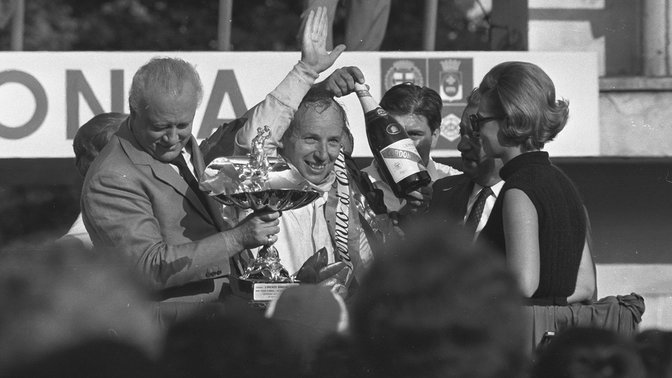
(163, 74)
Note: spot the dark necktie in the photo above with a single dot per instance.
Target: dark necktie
(477, 210)
(188, 176)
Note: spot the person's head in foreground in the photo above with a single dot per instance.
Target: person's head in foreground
(439, 306)
(655, 349)
(588, 352)
(227, 341)
(54, 297)
(518, 111)
(163, 99)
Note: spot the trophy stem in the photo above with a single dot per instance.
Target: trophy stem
(268, 261)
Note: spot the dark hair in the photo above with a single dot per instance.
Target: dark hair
(71, 295)
(525, 95)
(655, 349)
(92, 136)
(588, 352)
(409, 98)
(438, 306)
(474, 98)
(230, 340)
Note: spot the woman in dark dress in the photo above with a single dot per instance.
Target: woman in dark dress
(539, 220)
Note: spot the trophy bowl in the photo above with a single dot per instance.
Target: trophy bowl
(271, 199)
(257, 182)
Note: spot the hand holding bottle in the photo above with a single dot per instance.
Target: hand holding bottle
(342, 81)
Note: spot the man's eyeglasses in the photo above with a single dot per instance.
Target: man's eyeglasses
(475, 120)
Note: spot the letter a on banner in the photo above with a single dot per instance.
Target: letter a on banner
(225, 83)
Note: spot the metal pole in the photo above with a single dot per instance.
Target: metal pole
(654, 29)
(17, 25)
(429, 31)
(224, 25)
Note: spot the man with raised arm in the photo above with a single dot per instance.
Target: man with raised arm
(307, 129)
(141, 198)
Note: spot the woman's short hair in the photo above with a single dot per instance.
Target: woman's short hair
(588, 352)
(525, 95)
(408, 98)
(165, 74)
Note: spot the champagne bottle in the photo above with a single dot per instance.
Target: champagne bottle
(394, 152)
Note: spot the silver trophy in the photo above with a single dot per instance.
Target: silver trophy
(258, 182)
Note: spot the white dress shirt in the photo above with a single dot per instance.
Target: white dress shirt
(489, 204)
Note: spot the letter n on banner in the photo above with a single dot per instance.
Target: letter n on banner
(76, 84)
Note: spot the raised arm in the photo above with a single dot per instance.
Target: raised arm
(279, 106)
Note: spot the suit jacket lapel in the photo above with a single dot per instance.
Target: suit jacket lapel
(462, 193)
(214, 207)
(452, 195)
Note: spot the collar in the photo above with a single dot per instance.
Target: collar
(323, 186)
(523, 160)
(495, 188)
(431, 169)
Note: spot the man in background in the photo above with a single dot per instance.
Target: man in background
(90, 139)
(418, 110)
(468, 199)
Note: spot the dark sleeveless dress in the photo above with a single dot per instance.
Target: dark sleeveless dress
(562, 223)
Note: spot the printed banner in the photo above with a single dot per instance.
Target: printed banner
(46, 96)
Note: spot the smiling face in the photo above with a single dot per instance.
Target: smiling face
(313, 142)
(163, 125)
(421, 134)
(491, 137)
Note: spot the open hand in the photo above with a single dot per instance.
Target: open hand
(314, 41)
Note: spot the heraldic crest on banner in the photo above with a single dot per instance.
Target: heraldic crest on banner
(450, 127)
(403, 71)
(451, 80)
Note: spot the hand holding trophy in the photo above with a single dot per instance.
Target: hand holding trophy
(258, 182)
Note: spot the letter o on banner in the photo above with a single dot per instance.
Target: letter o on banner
(40, 95)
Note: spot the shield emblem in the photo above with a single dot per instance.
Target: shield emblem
(403, 71)
(451, 86)
(450, 127)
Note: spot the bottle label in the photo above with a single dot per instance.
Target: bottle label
(401, 159)
(393, 129)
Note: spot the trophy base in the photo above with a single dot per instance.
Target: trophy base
(258, 291)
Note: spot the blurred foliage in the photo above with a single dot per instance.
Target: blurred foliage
(257, 25)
